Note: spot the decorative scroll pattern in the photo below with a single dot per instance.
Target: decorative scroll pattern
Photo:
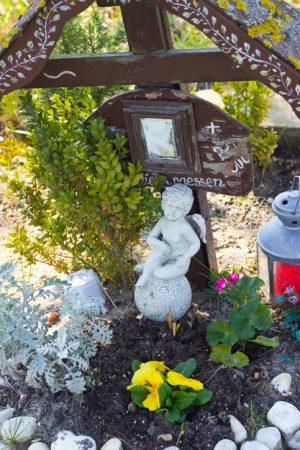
(266, 66)
(272, 70)
(15, 67)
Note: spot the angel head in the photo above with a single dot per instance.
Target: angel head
(177, 201)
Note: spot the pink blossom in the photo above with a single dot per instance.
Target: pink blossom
(233, 276)
(221, 284)
(293, 299)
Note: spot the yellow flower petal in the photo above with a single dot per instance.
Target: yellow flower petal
(147, 376)
(157, 365)
(152, 401)
(177, 379)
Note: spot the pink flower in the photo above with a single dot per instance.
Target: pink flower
(233, 277)
(221, 284)
(293, 299)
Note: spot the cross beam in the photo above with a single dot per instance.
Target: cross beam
(172, 66)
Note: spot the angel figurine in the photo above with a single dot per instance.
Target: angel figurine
(174, 239)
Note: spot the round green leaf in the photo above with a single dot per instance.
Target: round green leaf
(220, 331)
(262, 319)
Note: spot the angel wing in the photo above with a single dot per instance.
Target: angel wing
(199, 225)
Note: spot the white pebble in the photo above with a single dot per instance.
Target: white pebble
(254, 445)
(20, 428)
(38, 446)
(4, 446)
(286, 417)
(295, 441)
(282, 383)
(66, 440)
(113, 444)
(225, 444)
(239, 431)
(270, 436)
(6, 414)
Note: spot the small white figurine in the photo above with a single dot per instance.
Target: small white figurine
(171, 256)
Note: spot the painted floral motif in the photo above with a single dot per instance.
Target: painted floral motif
(267, 66)
(14, 67)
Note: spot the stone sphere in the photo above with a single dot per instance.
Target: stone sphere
(157, 297)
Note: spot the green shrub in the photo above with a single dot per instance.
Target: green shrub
(80, 193)
(96, 30)
(248, 102)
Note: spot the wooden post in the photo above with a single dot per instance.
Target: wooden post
(147, 30)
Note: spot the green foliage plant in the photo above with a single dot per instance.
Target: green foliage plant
(249, 102)
(172, 392)
(81, 193)
(59, 358)
(247, 316)
(290, 301)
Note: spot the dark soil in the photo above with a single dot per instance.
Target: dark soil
(105, 411)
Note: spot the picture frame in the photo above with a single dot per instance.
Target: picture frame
(162, 135)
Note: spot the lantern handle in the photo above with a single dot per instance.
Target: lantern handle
(297, 177)
(293, 187)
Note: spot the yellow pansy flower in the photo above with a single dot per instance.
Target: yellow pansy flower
(177, 379)
(150, 378)
(157, 365)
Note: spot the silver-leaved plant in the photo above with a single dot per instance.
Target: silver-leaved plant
(30, 345)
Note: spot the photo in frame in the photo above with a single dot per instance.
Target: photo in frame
(162, 136)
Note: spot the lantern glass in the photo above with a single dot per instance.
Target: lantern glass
(280, 277)
(263, 270)
(286, 278)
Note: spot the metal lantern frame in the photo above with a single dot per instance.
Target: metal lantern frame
(279, 239)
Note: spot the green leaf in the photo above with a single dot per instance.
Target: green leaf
(267, 342)
(139, 394)
(203, 396)
(183, 400)
(239, 360)
(173, 415)
(220, 331)
(242, 325)
(242, 320)
(135, 365)
(186, 368)
(251, 284)
(262, 319)
(221, 353)
(164, 392)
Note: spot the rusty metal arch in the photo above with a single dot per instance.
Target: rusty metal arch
(29, 51)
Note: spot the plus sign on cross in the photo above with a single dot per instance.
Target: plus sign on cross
(212, 127)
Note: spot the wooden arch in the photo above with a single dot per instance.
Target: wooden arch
(31, 42)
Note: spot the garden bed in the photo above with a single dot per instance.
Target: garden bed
(106, 410)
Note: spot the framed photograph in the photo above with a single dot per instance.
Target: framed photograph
(162, 136)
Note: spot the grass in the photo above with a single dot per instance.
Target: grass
(255, 420)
